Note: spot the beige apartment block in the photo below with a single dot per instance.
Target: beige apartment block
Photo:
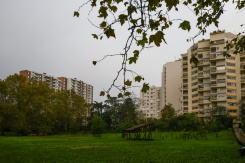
(63, 83)
(53, 82)
(216, 80)
(79, 87)
(171, 85)
(150, 103)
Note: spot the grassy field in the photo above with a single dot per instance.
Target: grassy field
(112, 148)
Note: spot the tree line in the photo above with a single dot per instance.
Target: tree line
(30, 106)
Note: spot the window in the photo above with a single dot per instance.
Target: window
(220, 67)
(195, 95)
(219, 54)
(231, 77)
(195, 83)
(193, 78)
(231, 71)
(206, 98)
(221, 95)
(193, 90)
(230, 58)
(194, 72)
(205, 60)
(231, 97)
(231, 104)
(206, 85)
(231, 84)
(206, 72)
(231, 90)
(213, 49)
(230, 64)
(221, 81)
(195, 101)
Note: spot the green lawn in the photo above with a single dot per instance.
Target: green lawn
(112, 148)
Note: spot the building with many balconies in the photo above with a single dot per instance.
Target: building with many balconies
(150, 103)
(217, 80)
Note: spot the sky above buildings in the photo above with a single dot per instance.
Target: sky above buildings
(43, 36)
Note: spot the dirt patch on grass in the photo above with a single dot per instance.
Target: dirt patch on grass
(87, 147)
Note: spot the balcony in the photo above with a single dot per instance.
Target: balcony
(231, 107)
(242, 55)
(242, 79)
(200, 64)
(243, 93)
(185, 77)
(212, 71)
(216, 42)
(203, 49)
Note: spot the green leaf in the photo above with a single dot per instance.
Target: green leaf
(123, 88)
(114, 8)
(76, 13)
(103, 12)
(128, 83)
(95, 36)
(131, 9)
(132, 59)
(138, 78)
(185, 25)
(122, 18)
(102, 93)
(143, 41)
(136, 53)
(108, 96)
(103, 24)
(139, 30)
(194, 60)
(93, 3)
(109, 32)
(145, 88)
(127, 93)
(157, 38)
(94, 62)
(120, 95)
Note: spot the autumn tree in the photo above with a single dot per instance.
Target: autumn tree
(147, 22)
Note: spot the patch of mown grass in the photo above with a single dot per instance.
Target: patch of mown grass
(112, 148)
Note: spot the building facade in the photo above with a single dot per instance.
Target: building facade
(171, 85)
(150, 106)
(217, 80)
(63, 83)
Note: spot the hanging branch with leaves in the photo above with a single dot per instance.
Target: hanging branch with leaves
(147, 21)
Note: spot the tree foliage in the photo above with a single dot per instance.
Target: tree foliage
(168, 112)
(30, 106)
(117, 113)
(147, 22)
(97, 126)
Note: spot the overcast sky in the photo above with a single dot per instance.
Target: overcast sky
(43, 36)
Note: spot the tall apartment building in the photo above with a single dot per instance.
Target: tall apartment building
(79, 87)
(53, 82)
(216, 80)
(171, 84)
(150, 103)
(63, 83)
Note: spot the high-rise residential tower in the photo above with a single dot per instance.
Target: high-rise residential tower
(171, 85)
(217, 80)
(150, 103)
